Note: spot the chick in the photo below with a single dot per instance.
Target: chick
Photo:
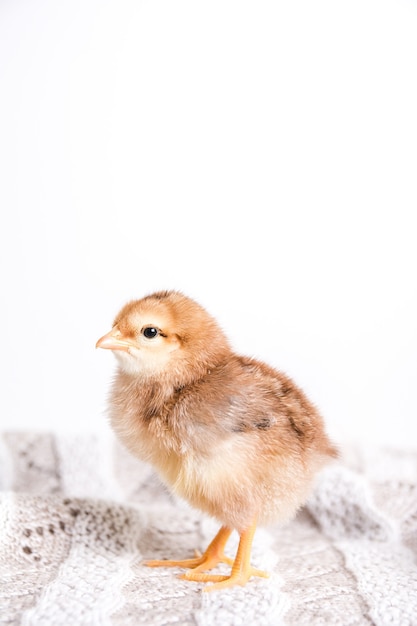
(233, 436)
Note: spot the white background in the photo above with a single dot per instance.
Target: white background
(260, 156)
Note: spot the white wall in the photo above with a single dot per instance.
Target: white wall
(259, 155)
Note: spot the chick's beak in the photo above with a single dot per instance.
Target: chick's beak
(114, 340)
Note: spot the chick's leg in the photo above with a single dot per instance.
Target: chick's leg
(241, 568)
(211, 557)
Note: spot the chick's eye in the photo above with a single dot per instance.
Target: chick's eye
(150, 332)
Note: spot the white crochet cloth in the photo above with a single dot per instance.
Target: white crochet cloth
(78, 515)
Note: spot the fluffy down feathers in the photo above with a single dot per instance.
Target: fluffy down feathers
(230, 434)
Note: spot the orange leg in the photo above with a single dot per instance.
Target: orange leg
(241, 567)
(211, 557)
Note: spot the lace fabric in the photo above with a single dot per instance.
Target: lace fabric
(78, 515)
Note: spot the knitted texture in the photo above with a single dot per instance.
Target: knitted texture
(78, 515)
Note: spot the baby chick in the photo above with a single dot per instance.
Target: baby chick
(233, 436)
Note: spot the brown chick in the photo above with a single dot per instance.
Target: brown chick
(233, 436)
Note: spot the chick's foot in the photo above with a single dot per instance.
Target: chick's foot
(241, 569)
(222, 581)
(211, 557)
(198, 567)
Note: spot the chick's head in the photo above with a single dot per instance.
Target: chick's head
(165, 333)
